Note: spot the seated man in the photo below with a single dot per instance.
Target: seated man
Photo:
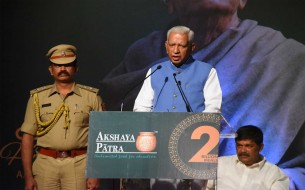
(248, 169)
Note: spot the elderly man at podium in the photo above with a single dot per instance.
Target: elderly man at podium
(180, 84)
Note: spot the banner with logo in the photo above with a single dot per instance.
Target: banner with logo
(153, 145)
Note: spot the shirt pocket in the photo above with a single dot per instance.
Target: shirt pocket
(81, 116)
(46, 114)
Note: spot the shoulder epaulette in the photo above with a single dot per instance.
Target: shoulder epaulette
(89, 88)
(40, 89)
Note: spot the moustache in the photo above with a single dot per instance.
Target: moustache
(243, 154)
(63, 73)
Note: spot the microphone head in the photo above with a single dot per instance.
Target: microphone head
(166, 79)
(159, 67)
(174, 74)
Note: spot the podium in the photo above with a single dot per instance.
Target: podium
(153, 145)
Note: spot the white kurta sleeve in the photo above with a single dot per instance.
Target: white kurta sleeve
(212, 93)
(144, 100)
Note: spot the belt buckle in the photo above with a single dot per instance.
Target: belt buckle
(63, 154)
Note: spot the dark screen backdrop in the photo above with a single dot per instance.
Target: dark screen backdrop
(102, 30)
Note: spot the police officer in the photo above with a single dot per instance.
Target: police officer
(57, 116)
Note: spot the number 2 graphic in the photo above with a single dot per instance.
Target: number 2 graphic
(210, 145)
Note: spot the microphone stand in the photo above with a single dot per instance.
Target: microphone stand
(187, 182)
(187, 104)
(122, 103)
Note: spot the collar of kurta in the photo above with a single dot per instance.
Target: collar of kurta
(258, 165)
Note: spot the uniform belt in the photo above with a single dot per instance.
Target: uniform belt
(63, 153)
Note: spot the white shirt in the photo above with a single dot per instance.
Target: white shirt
(234, 175)
(211, 92)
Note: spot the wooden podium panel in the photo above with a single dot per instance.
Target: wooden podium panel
(153, 145)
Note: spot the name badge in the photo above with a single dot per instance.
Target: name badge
(46, 105)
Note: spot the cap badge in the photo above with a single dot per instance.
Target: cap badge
(63, 53)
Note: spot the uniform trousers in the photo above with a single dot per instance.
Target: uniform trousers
(60, 173)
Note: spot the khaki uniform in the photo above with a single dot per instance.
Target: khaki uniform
(70, 172)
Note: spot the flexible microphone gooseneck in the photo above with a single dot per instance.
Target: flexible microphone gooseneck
(165, 81)
(122, 103)
(187, 104)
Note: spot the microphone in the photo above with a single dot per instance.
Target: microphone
(122, 103)
(165, 81)
(187, 104)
